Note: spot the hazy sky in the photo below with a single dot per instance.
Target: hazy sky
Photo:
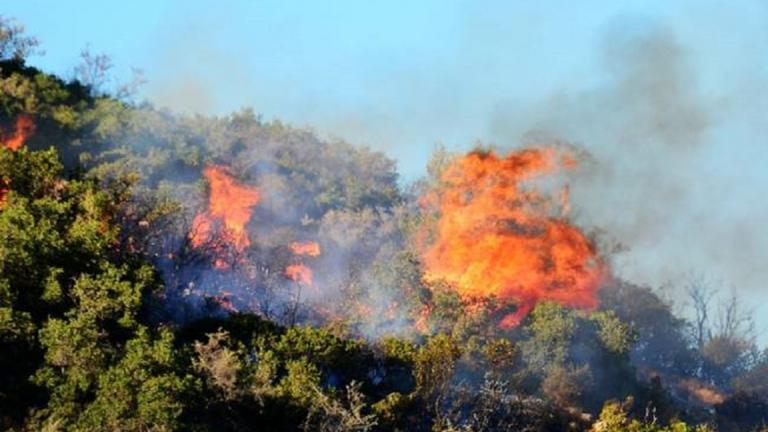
(671, 98)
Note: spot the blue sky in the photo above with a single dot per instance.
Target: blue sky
(387, 73)
(400, 76)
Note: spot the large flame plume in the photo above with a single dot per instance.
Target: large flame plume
(496, 234)
(229, 209)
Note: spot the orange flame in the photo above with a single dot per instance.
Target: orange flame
(299, 273)
(701, 392)
(495, 237)
(22, 130)
(229, 203)
(3, 191)
(225, 302)
(309, 248)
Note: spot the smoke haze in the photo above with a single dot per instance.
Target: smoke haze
(668, 100)
(665, 179)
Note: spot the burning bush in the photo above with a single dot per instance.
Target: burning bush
(495, 235)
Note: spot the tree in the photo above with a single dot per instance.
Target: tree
(14, 44)
(143, 391)
(700, 294)
(220, 365)
(93, 70)
(663, 341)
(614, 418)
(433, 368)
(340, 413)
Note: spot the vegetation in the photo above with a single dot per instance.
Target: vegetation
(111, 321)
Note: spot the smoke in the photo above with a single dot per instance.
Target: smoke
(268, 219)
(661, 149)
(197, 55)
(665, 177)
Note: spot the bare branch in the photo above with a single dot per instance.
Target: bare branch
(700, 293)
(733, 320)
(93, 70)
(14, 44)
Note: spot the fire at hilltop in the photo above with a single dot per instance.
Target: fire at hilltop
(497, 235)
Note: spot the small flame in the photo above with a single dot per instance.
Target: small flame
(225, 302)
(309, 248)
(23, 129)
(701, 392)
(299, 273)
(493, 236)
(230, 203)
(3, 191)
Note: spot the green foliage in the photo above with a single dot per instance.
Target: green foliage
(324, 348)
(298, 385)
(141, 391)
(221, 365)
(552, 327)
(398, 350)
(613, 418)
(500, 354)
(616, 336)
(391, 408)
(434, 365)
(99, 203)
(340, 413)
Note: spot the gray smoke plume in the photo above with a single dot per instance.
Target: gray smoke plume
(661, 179)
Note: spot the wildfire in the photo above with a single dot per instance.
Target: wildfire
(299, 273)
(225, 302)
(229, 208)
(306, 248)
(22, 130)
(494, 236)
(701, 392)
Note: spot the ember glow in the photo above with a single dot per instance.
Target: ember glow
(306, 248)
(225, 302)
(229, 209)
(3, 192)
(299, 273)
(22, 130)
(496, 236)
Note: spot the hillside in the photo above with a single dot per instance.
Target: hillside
(166, 272)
